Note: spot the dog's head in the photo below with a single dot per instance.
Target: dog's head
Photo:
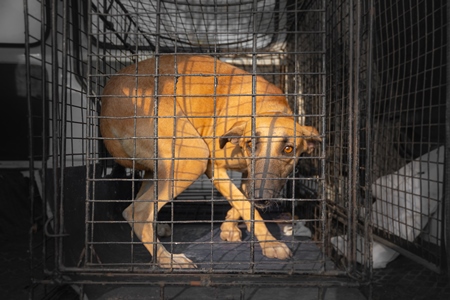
(271, 150)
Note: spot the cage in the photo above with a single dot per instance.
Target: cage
(347, 68)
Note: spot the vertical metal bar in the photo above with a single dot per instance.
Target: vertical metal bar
(356, 134)
(354, 115)
(368, 158)
(322, 291)
(55, 135)
(88, 133)
(63, 112)
(299, 115)
(173, 146)
(161, 291)
(242, 292)
(296, 101)
(155, 129)
(133, 168)
(351, 137)
(447, 151)
(45, 13)
(323, 218)
(215, 135)
(30, 131)
(253, 120)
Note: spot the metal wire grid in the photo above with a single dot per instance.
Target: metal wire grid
(348, 79)
(307, 64)
(408, 124)
(395, 129)
(270, 69)
(190, 26)
(57, 107)
(97, 44)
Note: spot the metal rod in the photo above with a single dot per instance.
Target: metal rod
(30, 112)
(368, 246)
(355, 194)
(352, 145)
(323, 186)
(45, 15)
(446, 197)
(89, 188)
(155, 129)
(55, 126)
(63, 133)
(253, 123)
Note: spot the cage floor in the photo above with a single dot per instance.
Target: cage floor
(210, 252)
(403, 279)
(203, 245)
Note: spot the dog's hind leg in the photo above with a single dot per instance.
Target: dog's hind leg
(141, 216)
(181, 160)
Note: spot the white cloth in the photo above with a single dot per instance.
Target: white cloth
(381, 255)
(299, 229)
(406, 198)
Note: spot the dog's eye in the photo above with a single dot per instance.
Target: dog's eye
(288, 149)
(249, 145)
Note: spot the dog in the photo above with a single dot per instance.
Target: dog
(211, 117)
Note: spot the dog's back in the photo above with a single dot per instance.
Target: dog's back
(210, 93)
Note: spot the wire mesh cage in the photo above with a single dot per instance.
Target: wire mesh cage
(247, 35)
(409, 122)
(157, 167)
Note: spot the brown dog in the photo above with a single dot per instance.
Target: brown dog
(204, 125)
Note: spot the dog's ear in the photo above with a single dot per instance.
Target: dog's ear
(311, 137)
(233, 134)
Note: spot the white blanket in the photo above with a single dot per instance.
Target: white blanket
(406, 198)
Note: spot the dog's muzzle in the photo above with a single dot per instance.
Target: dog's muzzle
(263, 203)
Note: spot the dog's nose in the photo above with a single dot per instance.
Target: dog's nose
(261, 203)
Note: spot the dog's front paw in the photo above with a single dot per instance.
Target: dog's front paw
(229, 231)
(175, 261)
(276, 250)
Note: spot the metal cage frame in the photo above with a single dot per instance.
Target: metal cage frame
(327, 56)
